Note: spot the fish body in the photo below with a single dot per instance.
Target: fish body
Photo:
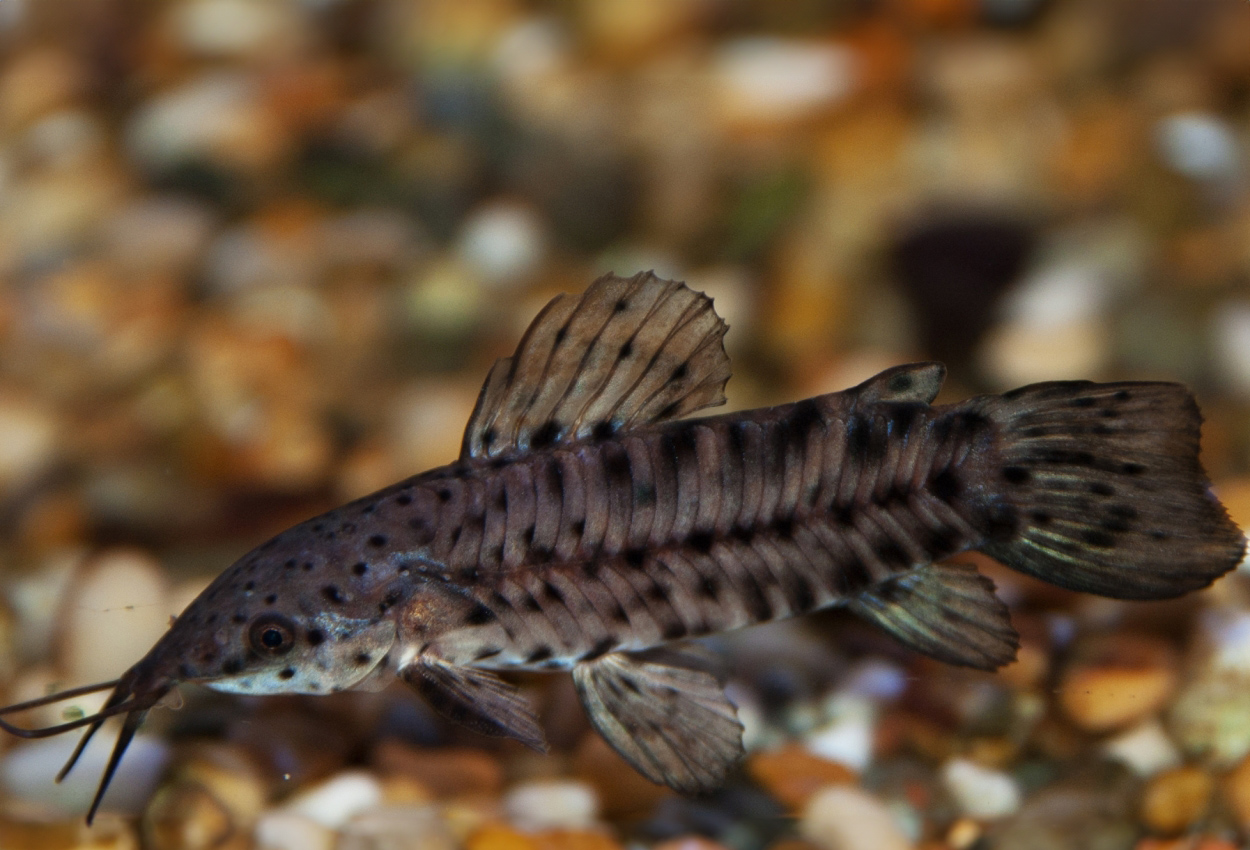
(587, 526)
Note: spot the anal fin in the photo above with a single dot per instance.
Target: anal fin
(946, 611)
(475, 698)
(673, 724)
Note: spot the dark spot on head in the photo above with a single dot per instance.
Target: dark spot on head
(290, 564)
(348, 528)
(1099, 488)
(212, 618)
(377, 541)
(315, 637)
(239, 618)
(251, 585)
(403, 499)
(546, 434)
(232, 666)
(540, 653)
(333, 594)
(369, 508)
(286, 673)
(444, 495)
(360, 568)
(700, 541)
(269, 600)
(1016, 475)
(308, 566)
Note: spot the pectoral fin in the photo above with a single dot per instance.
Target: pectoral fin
(476, 699)
(673, 724)
(948, 612)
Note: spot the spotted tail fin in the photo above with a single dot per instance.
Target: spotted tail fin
(1106, 490)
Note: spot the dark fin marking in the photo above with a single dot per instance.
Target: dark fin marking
(672, 723)
(567, 380)
(475, 698)
(914, 382)
(1115, 505)
(946, 611)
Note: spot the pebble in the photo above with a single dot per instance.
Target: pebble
(848, 737)
(234, 28)
(1189, 842)
(1176, 799)
(1103, 698)
(337, 800)
(793, 774)
(446, 772)
(766, 80)
(551, 804)
(396, 828)
(1199, 145)
(1236, 793)
(1230, 341)
(847, 818)
(1145, 748)
(284, 830)
(116, 609)
(159, 234)
(504, 242)
(29, 439)
(28, 771)
(980, 792)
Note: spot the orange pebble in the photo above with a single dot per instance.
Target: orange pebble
(499, 837)
(792, 774)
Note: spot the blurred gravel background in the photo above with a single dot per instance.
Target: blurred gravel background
(256, 257)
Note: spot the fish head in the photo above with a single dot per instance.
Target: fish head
(263, 627)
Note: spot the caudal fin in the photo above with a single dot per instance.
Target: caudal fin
(1108, 489)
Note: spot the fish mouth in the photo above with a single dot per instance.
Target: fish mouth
(131, 696)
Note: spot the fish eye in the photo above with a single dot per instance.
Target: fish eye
(271, 634)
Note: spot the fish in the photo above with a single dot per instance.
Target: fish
(591, 525)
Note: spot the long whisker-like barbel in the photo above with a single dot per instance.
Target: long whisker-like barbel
(122, 701)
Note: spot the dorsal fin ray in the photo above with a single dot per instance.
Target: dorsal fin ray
(628, 352)
(911, 382)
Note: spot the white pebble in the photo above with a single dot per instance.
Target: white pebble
(118, 607)
(980, 792)
(775, 79)
(232, 27)
(1055, 296)
(503, 242)
(216, 112)
(337, 800)
(847, 737)
(162, 234)
(552, 804)
(1017, 353)
(877, 680)
(1198, 145)
(842, 817)
(28, 773)
(397, 828)
(283, 830)
(1146, 749)
(1231, 339)
(28, 439)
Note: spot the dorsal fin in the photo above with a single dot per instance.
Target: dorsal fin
(628, 352)
(915, 382)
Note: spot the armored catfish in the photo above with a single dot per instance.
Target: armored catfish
(587, 524)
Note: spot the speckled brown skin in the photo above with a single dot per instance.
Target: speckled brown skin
(586, 522)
